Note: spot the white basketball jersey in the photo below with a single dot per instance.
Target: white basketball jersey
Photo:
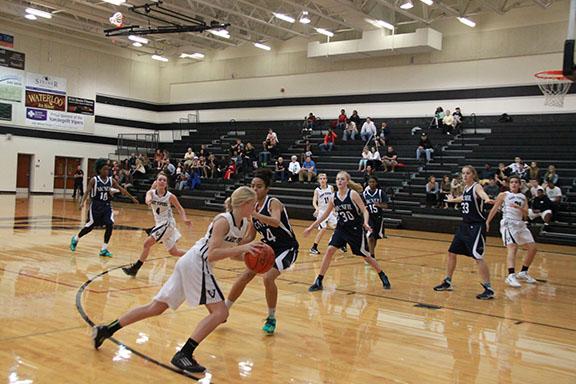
(232, 238)
(324, 197)
(509, 213)
(161, 208)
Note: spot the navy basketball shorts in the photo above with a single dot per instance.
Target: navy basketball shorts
(469, 240)
(354, 236)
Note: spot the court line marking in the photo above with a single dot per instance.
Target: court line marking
(86, 318)
(41, 333)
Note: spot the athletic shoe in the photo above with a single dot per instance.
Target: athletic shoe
(73, 243)
(385, 281)
(131, 270)
(317, 286)
(488, 294)
(511, 281)
(105, 253)
(270, 325)
(314, 251)
(344, 249)
(445, 286)
(186, 363)
(524, 276)
(99, 334)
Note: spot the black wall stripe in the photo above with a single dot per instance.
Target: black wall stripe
(55, 135)
(474, 93)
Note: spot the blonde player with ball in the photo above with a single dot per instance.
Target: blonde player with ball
(514, 232)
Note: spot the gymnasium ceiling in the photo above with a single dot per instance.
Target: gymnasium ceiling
(251, 20)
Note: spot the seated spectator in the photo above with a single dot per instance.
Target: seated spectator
(356, 119)
(329, 140)
(456, 186)
(230, 171)
(307, 151)
(249, 158)
(376, 161)
(311, 121)
(293, 169)
(280, 170)
(444, 191)
(204, 167)
(139, 169)
(306, 131)
(366, 155)
(237, 147)
(203, 151)
(551, 175)
(534, 171)
(541, 207)
(424, 146)
(264, 157)
(448, 123)
(308, 170)
(384, 135)
(491, 188)
(159, 159)
(554, 193)
(182, 181)
(368, 130)
(432, 191)
(271, 142)
(501, 176)
(518, 168)
(342, 118)
(486, 174)
(350, 131)
(390, 159)
(533, 183)
(212, 165)
(458, 119)
(188, 157)
(438, 118)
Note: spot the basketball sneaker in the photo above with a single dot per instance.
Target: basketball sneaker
(270, 325)
(512, 281)
(488, 293)
(445, 286)
(132, 270)
(73, 243)
(314, 251)
(99, 334)
(186, 363)
(524, 276)
(385, 281)
(317, 286)
(105, 253)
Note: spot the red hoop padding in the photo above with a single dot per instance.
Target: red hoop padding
(551, 75)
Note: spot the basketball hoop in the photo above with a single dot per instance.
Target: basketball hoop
(554, 85)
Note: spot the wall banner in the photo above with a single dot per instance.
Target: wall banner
(80, 105)
(11, 85)
(45, 101)
(43, 83)
(12, 59)
(5, 112)
(6, 41)
(54, 119)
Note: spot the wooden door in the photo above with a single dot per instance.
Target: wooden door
(64, 168)
(23, 171)
(59, 172)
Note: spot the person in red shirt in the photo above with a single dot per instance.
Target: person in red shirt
(329, 140)
(342, 120)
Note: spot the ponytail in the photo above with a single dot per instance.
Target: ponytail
(228, 204)
(351, 184)
(240, 196)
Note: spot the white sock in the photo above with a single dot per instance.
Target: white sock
(228, 303)
(104, 246)
(272, 312)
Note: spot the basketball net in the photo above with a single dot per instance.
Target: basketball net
(554, 86)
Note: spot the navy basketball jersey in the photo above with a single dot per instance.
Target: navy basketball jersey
(101, 191)
(472, 206)
(373, 198)
(347, 211)
(279, 238)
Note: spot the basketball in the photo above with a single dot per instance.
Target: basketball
(262, 261)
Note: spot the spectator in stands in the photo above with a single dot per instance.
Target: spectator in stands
(204, 167)
(311, 121)
(554, 193)
(329, 140)
(458, 119)
(368, 130)
(182, 181)
(486, 174)
(424, 146)
(188, 157)
(502, 176)
(385, 134)
(308, 170)
(534, 171)
(368, 173)
(306, 131)
(203, 151)
(356, 119)
(376, 161)
(444, 191)
(249, 160)
(456, 186)
(271, 142)
(211, 165)
(230, 170)
(492, 189)
(448, 123)
(518, 168)
(350, 131)
(438, 117)
(342, 120)
(432, 191)
(551, 175)
(139, 169)
(390, 159)
(125, 178)
(366, 156)
(307, 151)
(541, 206)
(293, 169)
(533, 183)
(158, 159)
(280, 170)
(237, 147)
(264, 157)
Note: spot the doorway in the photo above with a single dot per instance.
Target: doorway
(23, 171)
(64, 168)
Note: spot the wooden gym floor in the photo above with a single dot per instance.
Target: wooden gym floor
(352, 332)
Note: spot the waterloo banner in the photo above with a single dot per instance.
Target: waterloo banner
(11, 85)
(43, 83)
(80, 105)
(45, 101)
(54, 119)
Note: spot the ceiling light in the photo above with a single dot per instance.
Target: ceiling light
(262, 46)
(37, 12)
(427, 2)
(30, 16)
(159, 58)
(195, 55)
(220, 32)
(138, 39)
(406, 4)
(304, 19)
(137, 44)
(467, 22)
(115, 2)
(324, 32)
(284, 17)
(380, 24)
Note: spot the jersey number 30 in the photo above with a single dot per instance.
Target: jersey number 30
(346, 216)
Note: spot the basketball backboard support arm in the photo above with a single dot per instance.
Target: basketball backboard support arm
(568, 67)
